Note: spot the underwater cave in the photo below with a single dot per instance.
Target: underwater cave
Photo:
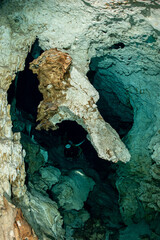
(114, 102)
(80, 159)
(63, 160)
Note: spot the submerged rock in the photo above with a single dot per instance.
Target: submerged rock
(127, 34)
(72, 191)
(22, 229)
(50, 175)
(43, 215)
(67, 95)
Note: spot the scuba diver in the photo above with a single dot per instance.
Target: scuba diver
(72, 150)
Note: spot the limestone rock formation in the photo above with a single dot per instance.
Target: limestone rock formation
(12, 171)
(50, 175)
(42, 213)
(7, 219)
(13, 225)
(123, 37)
(73, 98)
(22, 229)
(72, 191)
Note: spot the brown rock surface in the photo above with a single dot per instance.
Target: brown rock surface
(13, 225)
(70, 96)
(22, 229)
(52, 69)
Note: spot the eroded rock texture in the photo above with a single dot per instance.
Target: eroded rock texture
(12, 164)
(13, 224)
(12, 171)
(73, 98)
(22, 229)
(125, 36)
(52, 69)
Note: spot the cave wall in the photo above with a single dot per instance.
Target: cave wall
(88, 29)
(129, 74)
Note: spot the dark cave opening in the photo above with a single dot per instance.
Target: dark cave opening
(117, 45)
(25, 86)
(114, 102)
(45, 156)
(85, 156)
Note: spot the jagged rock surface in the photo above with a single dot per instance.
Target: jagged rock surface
(95, 27)
(22, 229)
(72, 191)
(11, 154)
(13, 225)
(42, 213)
(73, 98)
(50, 175)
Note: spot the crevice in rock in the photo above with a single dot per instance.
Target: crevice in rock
(114, 103)
(23, 91)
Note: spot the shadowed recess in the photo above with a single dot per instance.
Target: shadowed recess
(25, 86)
(114, 103)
